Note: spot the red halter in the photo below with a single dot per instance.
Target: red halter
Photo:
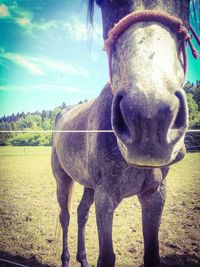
(175, 24)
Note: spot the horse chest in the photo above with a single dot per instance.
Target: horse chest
(127, 180)
(131, 181)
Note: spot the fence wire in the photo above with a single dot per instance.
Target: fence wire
(72, 131)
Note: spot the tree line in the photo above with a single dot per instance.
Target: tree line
(43, 121)
(193, 99)
(31, 121)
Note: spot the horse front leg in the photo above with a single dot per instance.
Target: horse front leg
(83, 210)
(64, 192)
(105, 204)
(152, 207)
(64, 187)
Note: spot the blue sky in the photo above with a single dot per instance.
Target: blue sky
(46, 57)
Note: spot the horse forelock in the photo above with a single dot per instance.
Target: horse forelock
(185, 9)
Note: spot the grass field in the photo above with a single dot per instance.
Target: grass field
(29, 210)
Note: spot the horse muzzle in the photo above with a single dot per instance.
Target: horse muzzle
(150, 129)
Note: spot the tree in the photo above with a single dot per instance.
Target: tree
(47, 124)
(194, 114)
(189, 88)
(55, 112)
(4, 137)
(45, 114)
(196, 95)
(63, 105)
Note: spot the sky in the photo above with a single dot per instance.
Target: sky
(47, 57)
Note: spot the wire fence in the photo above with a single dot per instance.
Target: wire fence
(57, 131)
(192, 142)
(72, 131)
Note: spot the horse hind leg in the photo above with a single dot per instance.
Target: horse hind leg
(64, 190)
(83, 211)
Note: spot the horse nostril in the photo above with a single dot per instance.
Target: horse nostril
(181, 116)
(119, 123)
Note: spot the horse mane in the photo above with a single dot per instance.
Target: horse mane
(194, 13)
(90, 12)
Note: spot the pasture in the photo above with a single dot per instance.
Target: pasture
(29, 212)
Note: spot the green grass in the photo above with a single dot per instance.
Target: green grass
(29, 211)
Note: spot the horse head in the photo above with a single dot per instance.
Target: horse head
(147, 64)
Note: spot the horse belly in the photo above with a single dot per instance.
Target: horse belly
(72, 154)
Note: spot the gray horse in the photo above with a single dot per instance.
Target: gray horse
(147, 111)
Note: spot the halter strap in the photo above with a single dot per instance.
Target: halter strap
(175, 24)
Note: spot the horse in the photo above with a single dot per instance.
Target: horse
(128, 136)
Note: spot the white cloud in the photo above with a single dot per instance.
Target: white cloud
(4, 11)
(94, 56)
(41, 87)
(73, 28)
(77, 30)
(38, 66)
(23, 21)
(49, 64)
(62, 67)
(23, 61)
(45, 26)
(56, 87)
(16, 14)
(12, 88)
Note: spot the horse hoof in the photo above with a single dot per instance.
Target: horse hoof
(65, 264)
(84, 263)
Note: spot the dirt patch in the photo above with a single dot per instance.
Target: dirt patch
(29, 212)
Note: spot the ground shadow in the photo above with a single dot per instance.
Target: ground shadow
(17, 259)
(174, 260)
